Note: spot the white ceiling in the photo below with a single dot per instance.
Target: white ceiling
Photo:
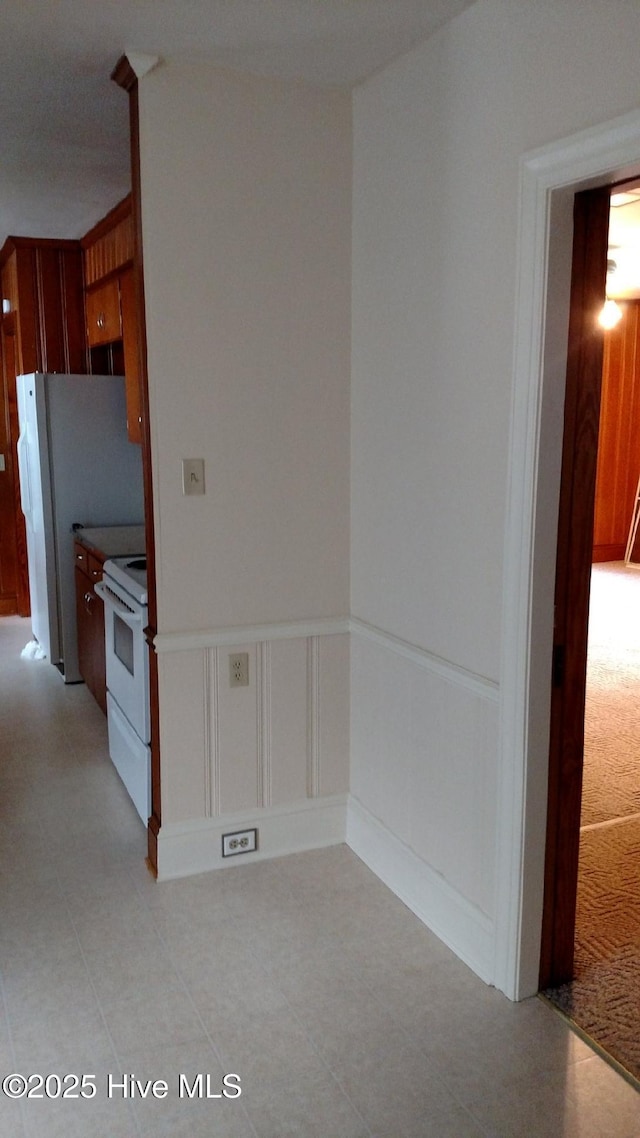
(64, 150)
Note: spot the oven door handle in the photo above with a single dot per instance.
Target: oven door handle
(131, 618)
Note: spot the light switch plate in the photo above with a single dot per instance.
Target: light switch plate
(193, 476)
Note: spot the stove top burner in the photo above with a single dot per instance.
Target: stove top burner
(131, 574)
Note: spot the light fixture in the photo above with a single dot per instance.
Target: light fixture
(611, 313)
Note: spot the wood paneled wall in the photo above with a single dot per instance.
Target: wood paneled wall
(44, 331)
(619, 440)
(110, 244)
(43, 281)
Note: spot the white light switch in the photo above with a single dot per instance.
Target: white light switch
(193, 476)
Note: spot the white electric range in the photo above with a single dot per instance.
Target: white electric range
(124, 591)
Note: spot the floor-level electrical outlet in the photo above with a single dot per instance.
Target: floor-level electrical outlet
(239, 669)
(244, 841)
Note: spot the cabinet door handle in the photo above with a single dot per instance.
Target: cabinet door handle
(87, 601)
(100, 321)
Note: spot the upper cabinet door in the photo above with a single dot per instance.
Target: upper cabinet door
(104, 323)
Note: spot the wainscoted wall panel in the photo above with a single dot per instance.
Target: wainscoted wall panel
(424, 781)
(184, 734)
(333, 714)
(286, 742)
(237, 728)
(229, 752)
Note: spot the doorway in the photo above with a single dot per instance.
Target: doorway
(589, 847)
(603, 998)
(549, 180)
(55, 342)
(572, 583)
(573, 577)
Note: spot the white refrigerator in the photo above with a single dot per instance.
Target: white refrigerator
(76, 467)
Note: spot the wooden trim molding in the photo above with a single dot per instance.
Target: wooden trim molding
(603, 553)
(120, 212)
(13, 243)
(573, 573)
(125, 76)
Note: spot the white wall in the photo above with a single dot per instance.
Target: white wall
(438, 139)
(246, 202)
(246, 227)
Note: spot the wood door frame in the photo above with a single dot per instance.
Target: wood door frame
(126, 77)
(572, 585)
(549, 178)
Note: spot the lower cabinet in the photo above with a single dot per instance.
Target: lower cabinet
(90, 621)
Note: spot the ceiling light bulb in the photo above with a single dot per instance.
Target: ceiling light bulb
(610, 314)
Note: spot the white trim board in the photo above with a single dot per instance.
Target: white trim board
(452, 673)
(249, 634)
(596, 156)
(185, 848)
(460, 925)
(263, 633)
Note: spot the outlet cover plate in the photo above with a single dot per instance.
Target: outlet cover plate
(239, 669)
(242, 841)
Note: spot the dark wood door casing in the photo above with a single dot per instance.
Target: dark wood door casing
(124, 75)
(573, 575)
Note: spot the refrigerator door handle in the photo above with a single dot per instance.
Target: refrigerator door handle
(23, 470)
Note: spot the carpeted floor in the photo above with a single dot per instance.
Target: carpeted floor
(611, 781)
(604, 997)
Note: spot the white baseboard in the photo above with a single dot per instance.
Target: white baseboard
(196, 847)
(460, 925)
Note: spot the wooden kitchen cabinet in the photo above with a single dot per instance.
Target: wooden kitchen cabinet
(112, 321)
(90, 620)
(111, 306)
(104, 323)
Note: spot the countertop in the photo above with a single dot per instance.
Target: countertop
(113, 541)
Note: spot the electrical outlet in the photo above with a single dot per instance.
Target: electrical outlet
(244, 841)
(239, 669)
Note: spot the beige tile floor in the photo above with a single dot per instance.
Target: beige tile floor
(343, 1016)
